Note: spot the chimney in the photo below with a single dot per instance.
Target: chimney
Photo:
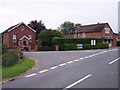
(78, 25)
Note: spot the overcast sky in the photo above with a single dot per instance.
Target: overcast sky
(54, 12)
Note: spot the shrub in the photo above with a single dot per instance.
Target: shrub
(98, 46)
(62, 41)
(4, 48)
(118, 43)
(71, 46)
(9, 59)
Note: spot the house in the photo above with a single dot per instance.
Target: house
(99, 30)
(20, 36)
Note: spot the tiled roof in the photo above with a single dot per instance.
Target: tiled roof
(91, 28)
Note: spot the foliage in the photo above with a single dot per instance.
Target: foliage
(45, 37)
(65, 47)
(67, 28)
(98, 46)
(17, 69)
(38, 26)
(4, 49)
(61, 41)
(118, 43)
(11, 57)
(73, 46)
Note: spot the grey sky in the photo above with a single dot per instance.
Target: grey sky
(54, 12)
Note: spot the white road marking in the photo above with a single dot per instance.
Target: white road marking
(81, 58)
(114, 60)
(43, 71)
(62, 64)
(76, 60)
(54, 67)
(86, 57)
(31, 75)
(77, 82)
(70, 62)
(90, 56)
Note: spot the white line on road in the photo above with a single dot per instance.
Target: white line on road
(43, 71)
(70, 62)
(77, 82)
(81, 58)
(114, 60)
(31, 75)
(62, 64)
(54, 67)
(76, 60)
(86, 57)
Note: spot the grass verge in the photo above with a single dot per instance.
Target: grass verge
(22, 66)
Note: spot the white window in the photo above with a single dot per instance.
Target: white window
(30, 37)
(14, 38)
(84, 34)
(107, 30)
(93, 42)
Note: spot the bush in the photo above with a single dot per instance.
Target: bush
(98, 46)
(4, 48)
(85, 46)
(9, 59)
(118, 43)
(68, 47)
(62, 41)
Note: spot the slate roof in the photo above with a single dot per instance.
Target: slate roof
(91, 28)
(12, 27)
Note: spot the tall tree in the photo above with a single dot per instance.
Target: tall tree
(67, 28)
(38, 26)
(46, 36)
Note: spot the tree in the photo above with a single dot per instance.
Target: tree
(67, 28)
(38, 26)
(45, 37)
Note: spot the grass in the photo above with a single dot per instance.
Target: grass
(22, 66)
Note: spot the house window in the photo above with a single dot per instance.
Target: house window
(14, 38)
(107, 30)
(30, 38)
(84, 34)
(22, 27)
(93, 42)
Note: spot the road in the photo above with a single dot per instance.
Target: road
(71, 69)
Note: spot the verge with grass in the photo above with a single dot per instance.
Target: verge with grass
(22, 66)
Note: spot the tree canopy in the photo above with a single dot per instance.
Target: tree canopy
(38, 26)
(67, 27)
(46, 36)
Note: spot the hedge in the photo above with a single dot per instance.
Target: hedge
(11, 57)
(73, 46)
(62, 41)
(118, 43)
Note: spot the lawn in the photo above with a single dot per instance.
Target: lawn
(22, 66)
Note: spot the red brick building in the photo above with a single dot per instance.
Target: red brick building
(20, 36)
(100, 30)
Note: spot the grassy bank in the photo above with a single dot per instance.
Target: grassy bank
(19, 68)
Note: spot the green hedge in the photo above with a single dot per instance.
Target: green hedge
(98, 46)
(62, 41)
(118, 43)
(73, 46)
(11, 57)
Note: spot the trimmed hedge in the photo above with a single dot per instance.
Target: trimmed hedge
(62, 41)
(72, 46)
(98, 46)
(118, 43)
